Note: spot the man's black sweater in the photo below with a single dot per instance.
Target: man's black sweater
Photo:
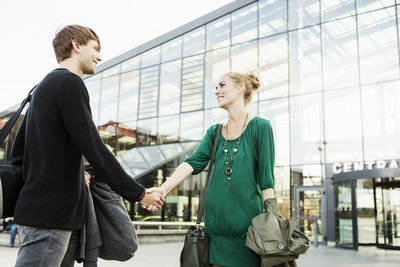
(56, 131)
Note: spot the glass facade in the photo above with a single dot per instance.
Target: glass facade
(330, 86)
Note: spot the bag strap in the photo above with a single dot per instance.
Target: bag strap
(200, 213)
(10, 123)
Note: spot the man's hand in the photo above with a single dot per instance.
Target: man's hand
(153, 199)
(88, 177)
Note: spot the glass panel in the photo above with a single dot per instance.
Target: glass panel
(339, 46)
(308, 175)
(244, 24)
(172, 49)
(168, 129)
(217, 63)
(93, 84)
(148, 98)
(344, 224)
(306, 128)
(151, 57)
(126, 137)
(109, 99)
(213, 116)
(388, 212)
(133, 162)
(310, 207)
(130, 64)
(244, 57)
(128, 96)
(191, 126)
(192, 83)
(305, 60)
(219, 33)
(365, 212)
(111, 71)
(272, 17)
(170, 85)
(108, 133)
(147, 132)
(379, 59)
(273, 66)
(282, 190)
(381, 121)
(343, 125)
(194, 42)
(335, 9)
(368, 5)
(303, 13)
(277, 112)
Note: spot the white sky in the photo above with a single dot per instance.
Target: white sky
(27, 29)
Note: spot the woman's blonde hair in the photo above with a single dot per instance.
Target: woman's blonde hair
(250, 80)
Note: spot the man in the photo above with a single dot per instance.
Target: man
(56, 131)
(8, 224)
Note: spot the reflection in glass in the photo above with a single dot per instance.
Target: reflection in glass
(171, 50)
(168, 129)
(339, 48)
(108, 133)
(381, 121)
(365, 5)
(310, 206)
(305, 61)
(277, 112)
(244, 24)
(150, 57)
(170, 84)
(379, 56)
(109, 99)
(192, 83)
(147, 132)
(343, 125)
(306, 124)
(344, 225)
(93, 85)
(217, 63)
(126, 133)
(213, 116)
(128, 96)
(307, 175)
(335, 9)
(218, 33)
(244, 57)
(272, 17)
(303, 13)
(191, 126)
(194, 42)
(273, 57)
(130, 64)
(282, 190)
(365, 212)
(148, 92)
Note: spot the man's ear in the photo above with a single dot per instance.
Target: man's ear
(75, 46)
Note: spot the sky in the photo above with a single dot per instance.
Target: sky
(27, 29)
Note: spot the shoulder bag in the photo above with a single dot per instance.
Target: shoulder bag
(196, 249)
(10, 175)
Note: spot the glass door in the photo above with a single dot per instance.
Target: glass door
(365, 212)
(344, 207)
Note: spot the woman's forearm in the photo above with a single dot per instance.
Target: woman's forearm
(268, 193)
(180, 174)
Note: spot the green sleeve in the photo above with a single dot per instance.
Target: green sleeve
(266, 154)
(201, 156)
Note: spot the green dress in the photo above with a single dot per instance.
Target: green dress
(228, 212)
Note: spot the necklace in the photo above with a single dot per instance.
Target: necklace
(228, 163)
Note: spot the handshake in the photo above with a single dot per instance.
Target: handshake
(153, 199)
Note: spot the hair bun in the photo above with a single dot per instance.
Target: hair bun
(253, 80)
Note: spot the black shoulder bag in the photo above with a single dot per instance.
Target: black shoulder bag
(10, 175)
(196, 249)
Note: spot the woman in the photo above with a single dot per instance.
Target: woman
(243, 172)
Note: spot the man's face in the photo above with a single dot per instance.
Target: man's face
(89, 57)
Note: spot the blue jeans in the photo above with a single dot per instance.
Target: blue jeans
(13, 229)
(42, 247)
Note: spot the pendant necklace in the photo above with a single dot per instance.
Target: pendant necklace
(228, 163)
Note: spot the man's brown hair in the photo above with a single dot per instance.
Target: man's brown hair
(62, 42)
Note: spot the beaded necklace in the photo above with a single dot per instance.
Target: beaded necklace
(228, 163)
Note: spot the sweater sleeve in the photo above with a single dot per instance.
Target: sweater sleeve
(266, 155)
(73, 101)
(200, 158)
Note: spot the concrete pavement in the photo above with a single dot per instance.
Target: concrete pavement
(167, 255)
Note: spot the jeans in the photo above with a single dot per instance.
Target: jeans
(13, 229)
(42, 247)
